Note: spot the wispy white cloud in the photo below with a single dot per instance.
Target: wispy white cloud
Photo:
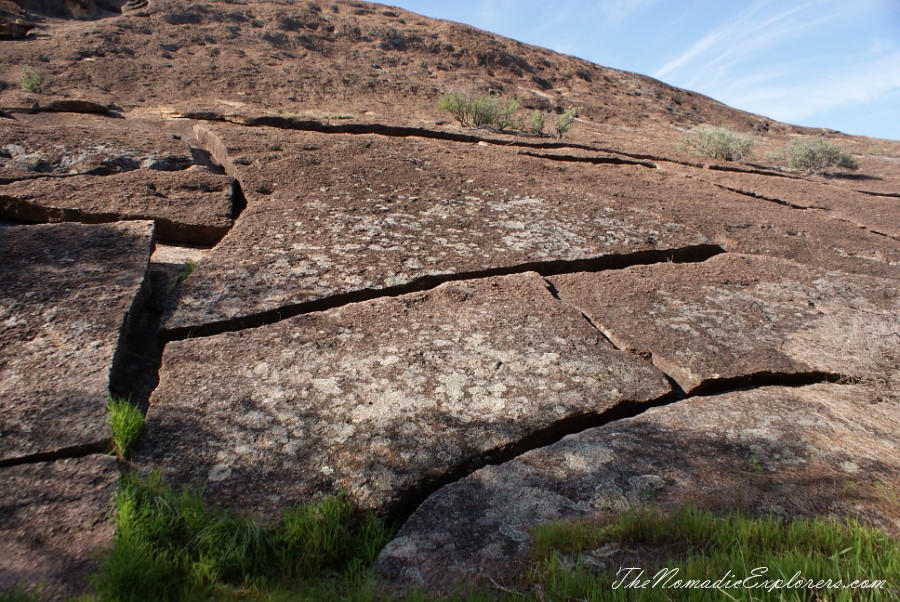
(619, 10)
(739, 39)
(856, 85)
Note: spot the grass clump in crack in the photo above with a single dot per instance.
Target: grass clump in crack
(127, 422)
(719, 143)
(171, 546)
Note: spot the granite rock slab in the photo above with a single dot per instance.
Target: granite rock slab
(55, 518)
(726, 320)
(383, 399)
(28, 151)
(395, 214)
(820, 450)
(67, 294)
(193, 206)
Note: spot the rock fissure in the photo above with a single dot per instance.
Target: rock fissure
(76, 451)
(593, 160)
(688, 254)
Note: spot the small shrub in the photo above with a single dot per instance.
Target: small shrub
(536, 122)
(484, 111)
(506, 114)
(32, 81)
(564, 121)
(719, 143)
(457, 104)
(127, 422)
(817, 155)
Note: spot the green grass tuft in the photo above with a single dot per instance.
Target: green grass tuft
(171, 546)
(704, 547)
(181, 274)
(127, 422)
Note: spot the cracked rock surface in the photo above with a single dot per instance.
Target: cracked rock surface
(773, 449)
(190, 206)
(372, 308)
(383, 397)
(730, 317)
(385, 213)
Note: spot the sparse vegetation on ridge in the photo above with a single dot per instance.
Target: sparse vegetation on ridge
(489, 112)
(818, 155)
(719, 143)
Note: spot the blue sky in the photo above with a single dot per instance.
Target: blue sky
(820, 63)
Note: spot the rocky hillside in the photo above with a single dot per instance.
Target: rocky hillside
(469, 330)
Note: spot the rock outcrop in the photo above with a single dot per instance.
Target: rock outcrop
(471, 331)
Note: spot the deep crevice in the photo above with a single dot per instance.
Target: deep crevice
(238, 200)
(312, 125)
(66, 453)
(593, 160)
(891, 195)
(690, 254)
(763, 379)
(410, 499)
(15, 208)
(761, 197)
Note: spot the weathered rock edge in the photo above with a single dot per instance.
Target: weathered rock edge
(37, 405)
(729, 320)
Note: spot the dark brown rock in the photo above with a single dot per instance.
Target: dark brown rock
(13, 23)
(743, 224)
(723, 321)
(55, 518)
(385, 398)
(820, 450)
(192, 206)
(76, 105)
(67, 293)
(875, 213)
